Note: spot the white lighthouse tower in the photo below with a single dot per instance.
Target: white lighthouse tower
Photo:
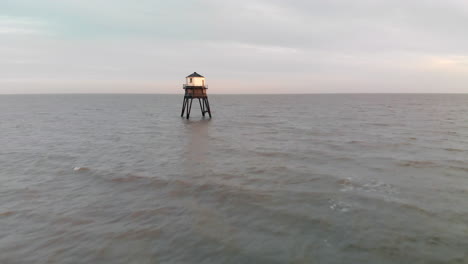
(195, 87)
(195, 79)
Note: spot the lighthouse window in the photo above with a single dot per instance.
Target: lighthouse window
(190, 79)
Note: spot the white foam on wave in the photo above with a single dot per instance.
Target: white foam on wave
(339, 206)
(80, 169)
(372, 186)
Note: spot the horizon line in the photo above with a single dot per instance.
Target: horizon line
(325, 93)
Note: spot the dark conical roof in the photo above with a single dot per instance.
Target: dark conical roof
(194, 74)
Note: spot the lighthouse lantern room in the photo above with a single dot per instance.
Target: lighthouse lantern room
(195, 88)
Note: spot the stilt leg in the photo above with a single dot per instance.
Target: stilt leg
(205, 107)
(208, 106)
(201, 107)
(183, 107)
(189, 109)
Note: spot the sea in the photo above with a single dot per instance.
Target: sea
(337, 178)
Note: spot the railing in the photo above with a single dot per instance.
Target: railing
(194, 86)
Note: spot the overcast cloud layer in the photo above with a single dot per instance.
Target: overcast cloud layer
(257, 46)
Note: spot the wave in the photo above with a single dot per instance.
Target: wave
(418, 164)
(78, 169)
(8, 213)
(73, 221)
(128, 178)
(152, 212)
(454, 150)
(374, 186)
(274, 154)
(144, 233)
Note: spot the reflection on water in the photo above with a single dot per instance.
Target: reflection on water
(196, 159)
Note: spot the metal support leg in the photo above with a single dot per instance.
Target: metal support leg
(208, 106)
(183, 107)
(189, 109)
(202, 108)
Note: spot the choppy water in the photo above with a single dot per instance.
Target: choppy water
(270, 179)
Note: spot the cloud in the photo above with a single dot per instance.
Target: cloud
(330, 45)
(21, 26)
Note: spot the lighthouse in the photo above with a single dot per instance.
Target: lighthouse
(195, 88)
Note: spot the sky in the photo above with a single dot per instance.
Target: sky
(243, 46)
